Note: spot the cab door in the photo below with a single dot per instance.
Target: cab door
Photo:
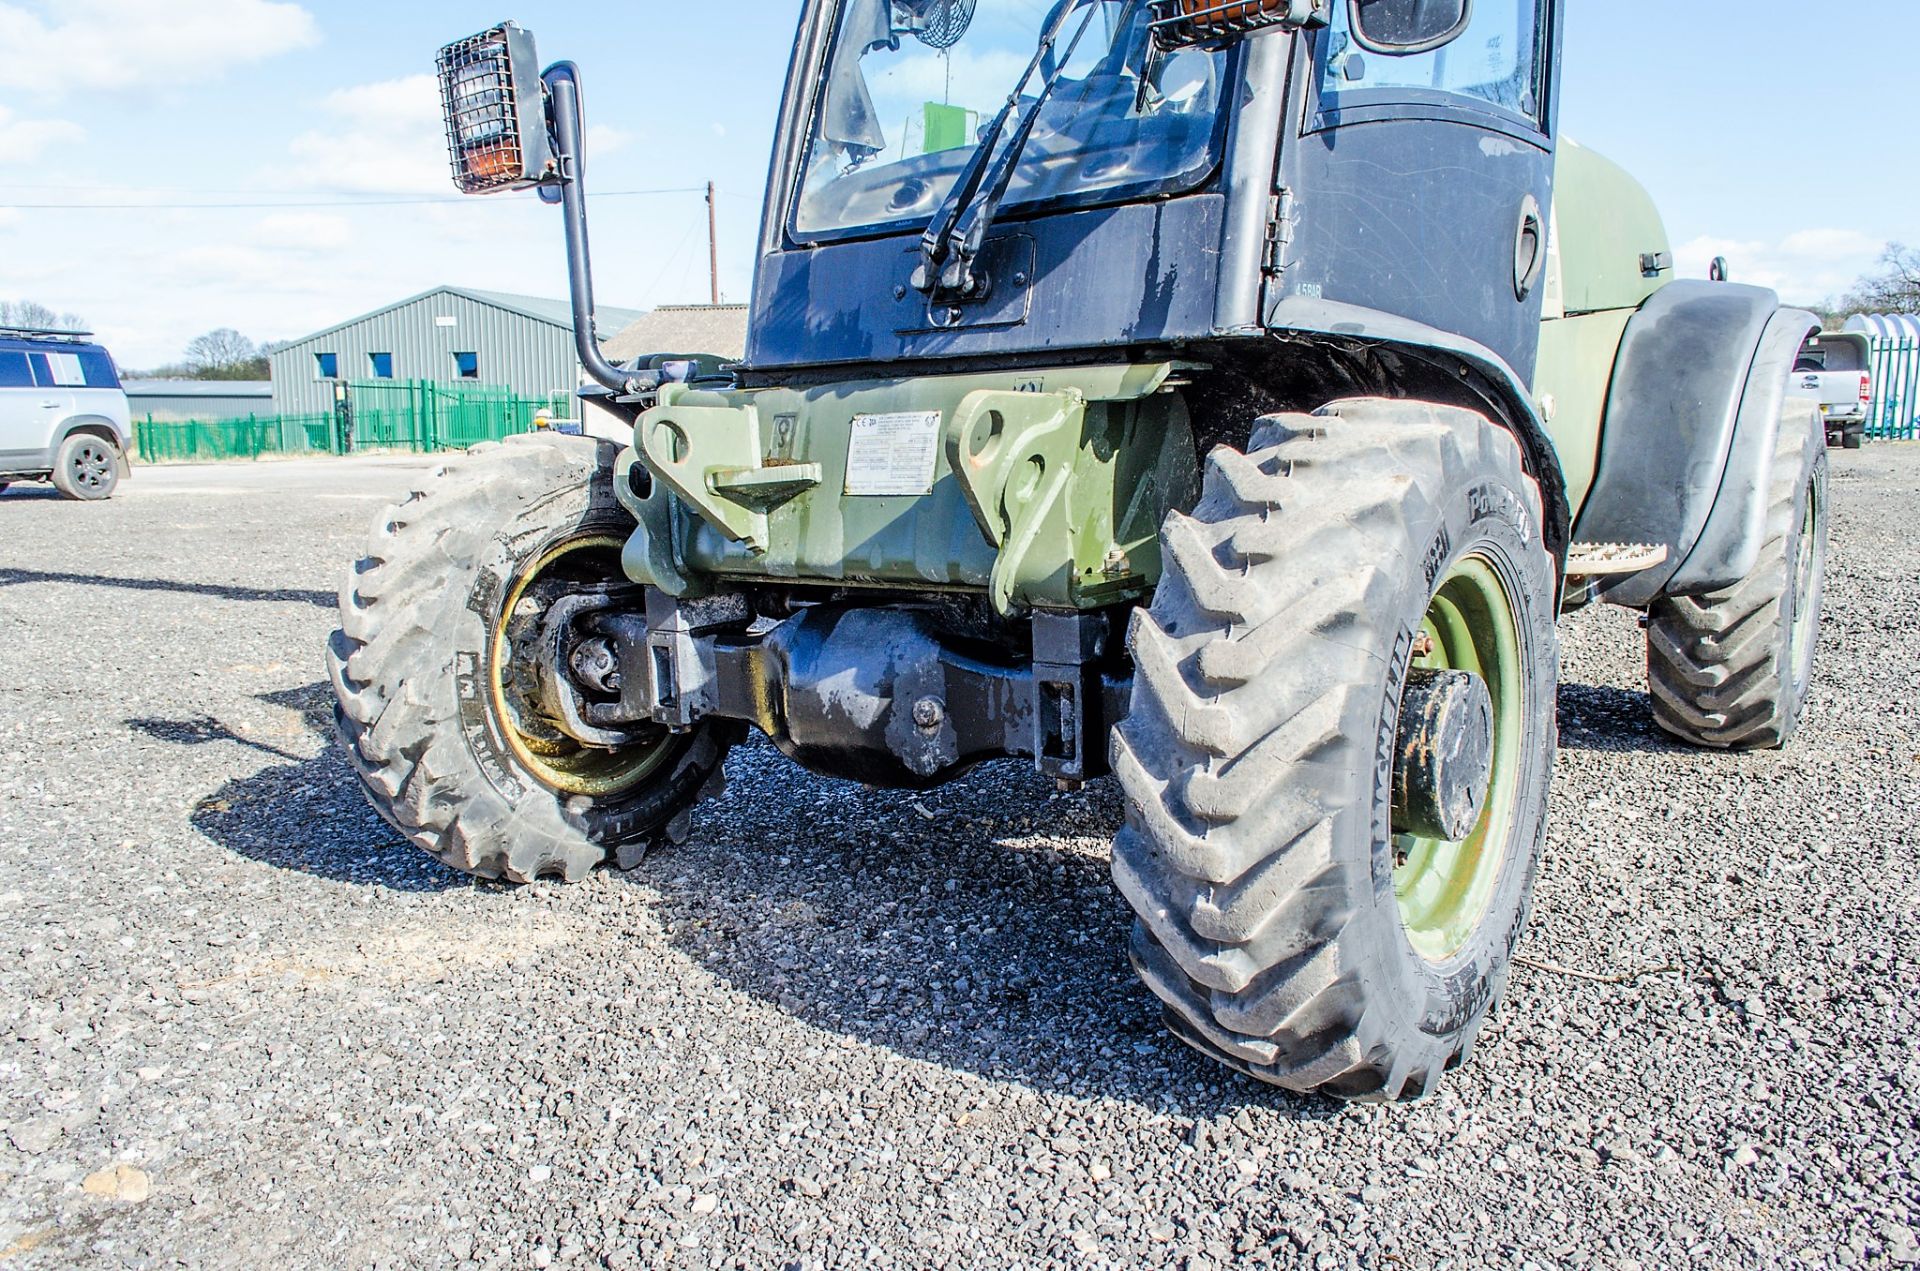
(1418, 183)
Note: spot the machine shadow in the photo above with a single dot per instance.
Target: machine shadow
(1608, 718)
(973, 926)
(304, 814)
(11, 577)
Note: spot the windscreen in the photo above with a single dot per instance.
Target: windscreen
(911, 85)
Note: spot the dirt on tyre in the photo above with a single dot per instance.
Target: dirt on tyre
(1730, 669)
(437, 706)
(86, 467)
(1302, 911)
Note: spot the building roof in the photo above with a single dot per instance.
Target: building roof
(557, 313)
(717, 329)
(198, 388)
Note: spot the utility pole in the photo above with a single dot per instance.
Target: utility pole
(713, 249)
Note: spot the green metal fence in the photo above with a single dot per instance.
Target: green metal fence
(1895, 413)
(418, 415)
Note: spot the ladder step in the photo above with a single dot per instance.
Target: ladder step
(1598, 560)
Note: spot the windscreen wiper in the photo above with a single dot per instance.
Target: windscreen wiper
(951, 244)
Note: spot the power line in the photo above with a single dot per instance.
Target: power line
(421, 200)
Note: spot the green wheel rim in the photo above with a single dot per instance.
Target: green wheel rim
(558, 761)
(1444, 887)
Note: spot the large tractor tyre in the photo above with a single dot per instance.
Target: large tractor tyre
(438, 705)
(1341, 738)
(86, 467)
(1730, 669)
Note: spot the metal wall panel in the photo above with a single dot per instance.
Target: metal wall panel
(532, 357)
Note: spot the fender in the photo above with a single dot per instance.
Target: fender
(1460, 372)
(1687, 441)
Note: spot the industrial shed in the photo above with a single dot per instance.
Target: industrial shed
(448, 334)
(198, 399)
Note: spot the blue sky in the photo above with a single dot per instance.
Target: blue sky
(1761, 134)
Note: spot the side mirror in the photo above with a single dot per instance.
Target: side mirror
(496, 111)
(1398, 27)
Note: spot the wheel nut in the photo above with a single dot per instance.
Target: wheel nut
(1422, 645)
(928, 712)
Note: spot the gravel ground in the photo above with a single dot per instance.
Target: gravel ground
(241, 1025)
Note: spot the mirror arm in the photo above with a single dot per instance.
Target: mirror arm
(563, 85)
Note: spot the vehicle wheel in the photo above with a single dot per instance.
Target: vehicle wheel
(1853, 438)
(1337, 759)
(440, 718)
(1730, 669)
(86, 467)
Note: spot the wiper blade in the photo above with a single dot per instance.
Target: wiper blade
(953, 238)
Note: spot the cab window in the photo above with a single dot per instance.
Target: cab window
(13, 370)
(1496, 60)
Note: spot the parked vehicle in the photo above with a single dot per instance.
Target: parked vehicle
(1833, 372)
(63, 414)
(1214, 413)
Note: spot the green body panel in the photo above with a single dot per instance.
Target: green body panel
(1570, 390)
(1604, 225)
(1045, 489)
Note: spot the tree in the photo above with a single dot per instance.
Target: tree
(31, 313)
(1893, 288)
(225, 354)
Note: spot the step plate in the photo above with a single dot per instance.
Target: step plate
(1601, 560)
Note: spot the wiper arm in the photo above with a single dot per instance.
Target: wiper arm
(952, 241)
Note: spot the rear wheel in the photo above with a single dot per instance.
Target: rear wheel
(1340, 742)
(1854, 437)
(86, 467)
(440, 705)
(1730, 669)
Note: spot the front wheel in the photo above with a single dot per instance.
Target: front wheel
(86, 467)
(1341, 737)
(440, 708)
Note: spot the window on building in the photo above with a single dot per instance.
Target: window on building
(326, 366)
(14, 372)
(467, 365)
(381, 365)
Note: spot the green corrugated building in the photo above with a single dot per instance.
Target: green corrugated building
(447, 334)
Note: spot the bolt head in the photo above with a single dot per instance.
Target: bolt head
(928, 713)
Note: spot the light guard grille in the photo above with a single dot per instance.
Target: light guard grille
(493, 103)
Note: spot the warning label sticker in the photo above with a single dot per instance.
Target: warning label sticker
(893, 453)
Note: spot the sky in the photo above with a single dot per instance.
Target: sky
(172, 166)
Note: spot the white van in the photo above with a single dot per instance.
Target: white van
(63, 415)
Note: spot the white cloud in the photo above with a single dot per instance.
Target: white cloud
(24, 140)
(303, 231)
(384, 137)
(10, 217)
(121, 44)
(1804, 267)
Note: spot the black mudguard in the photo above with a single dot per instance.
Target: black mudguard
(1688, 440)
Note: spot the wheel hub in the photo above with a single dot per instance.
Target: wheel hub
(1443, 754)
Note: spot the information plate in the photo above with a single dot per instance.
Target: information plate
(893, 453)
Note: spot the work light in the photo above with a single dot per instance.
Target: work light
(1181, 23)
(495, 105)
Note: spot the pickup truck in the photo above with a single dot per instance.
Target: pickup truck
(1832, 371)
